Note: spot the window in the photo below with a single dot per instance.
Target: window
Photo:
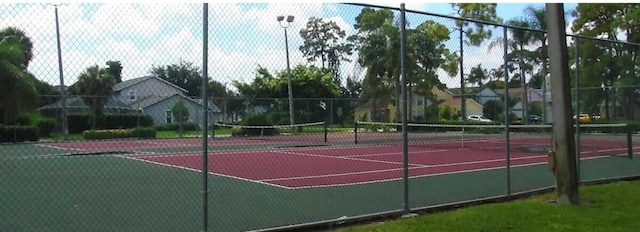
(132, 95)
(169, 116)
(419, 102)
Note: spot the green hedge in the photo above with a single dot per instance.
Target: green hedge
(176, 126)
(140, 132)
(81, 122)
(18, 133)
(259, 119)
(45, 125)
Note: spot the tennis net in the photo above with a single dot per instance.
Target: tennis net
(538, 138)
(305, 132)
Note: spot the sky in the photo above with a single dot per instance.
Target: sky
(242, 36)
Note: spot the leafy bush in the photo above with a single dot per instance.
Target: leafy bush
(45, 125)
(140, 132)
(446, 113)
(175, 127)
(143, 132)
(18, 133)
(257, 120)
(178, 110)
(81, 122)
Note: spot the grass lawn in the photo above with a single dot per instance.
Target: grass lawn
(609, 207)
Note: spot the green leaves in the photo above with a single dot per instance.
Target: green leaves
(477, 33)
(24, 43)
(17, 91)
(185, 74)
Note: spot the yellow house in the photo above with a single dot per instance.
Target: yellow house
(387, 112)
(445, 97)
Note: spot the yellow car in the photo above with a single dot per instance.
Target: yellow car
(583, 117)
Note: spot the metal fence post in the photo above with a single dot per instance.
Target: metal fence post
(205, 121)
(577, 102)
(403, 100)
(506, 109)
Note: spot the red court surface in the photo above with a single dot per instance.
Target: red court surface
(132, 144)
(334, 166)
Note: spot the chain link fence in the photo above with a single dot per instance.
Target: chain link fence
(103, 125)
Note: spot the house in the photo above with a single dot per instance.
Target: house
(77, 105)
(534, 97)
(384, 112)
(150, 95)
(487, 94)
(156, 97)
(445, 97)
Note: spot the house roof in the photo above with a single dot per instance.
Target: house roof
(212, 106)
(457, 91)
(76, 102)
(134, 81)
(456, 102)
(151, 100)
(513, 92)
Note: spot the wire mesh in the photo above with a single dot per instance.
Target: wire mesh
(102, 117)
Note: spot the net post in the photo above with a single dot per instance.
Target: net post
(355, 131)
(326, 128)
(629, 142)
(213, 130)
(462, 136)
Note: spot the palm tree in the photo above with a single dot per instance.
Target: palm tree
(95, 85)
(17, 92)
(518, 40)
(537, 18)
(24, 41)
(477, 75)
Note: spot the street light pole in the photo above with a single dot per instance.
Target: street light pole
(286, 43)
(65, 130)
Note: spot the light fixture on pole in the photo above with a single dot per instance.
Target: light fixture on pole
(286, 43)
(63, 100)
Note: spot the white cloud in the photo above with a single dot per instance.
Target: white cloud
(120, 18)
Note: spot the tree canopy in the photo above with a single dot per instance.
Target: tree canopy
(185, 74)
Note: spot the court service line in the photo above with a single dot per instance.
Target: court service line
(200, 171)
(338, 174)
(396, 169)
(344, 158)
(436, 174)
(61, 148)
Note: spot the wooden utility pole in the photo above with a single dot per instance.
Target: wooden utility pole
(563, 157)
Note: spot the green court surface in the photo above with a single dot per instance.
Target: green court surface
(43, 190)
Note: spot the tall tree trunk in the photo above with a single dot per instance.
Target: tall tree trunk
(524, 87)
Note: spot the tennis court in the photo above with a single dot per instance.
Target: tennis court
(156, 184)
(306, 161)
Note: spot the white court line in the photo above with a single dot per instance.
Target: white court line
(345, 158)
(263, 181)
(61, 148)
(395, 169)
(200, 171)
(433, 174)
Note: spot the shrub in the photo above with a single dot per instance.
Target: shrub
(175, 127)
(140, 132)
(18, 133)
(143, 132)
(44, 124)
(81, 122)
(257, 120)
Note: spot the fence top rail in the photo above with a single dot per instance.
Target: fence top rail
(489, 23)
